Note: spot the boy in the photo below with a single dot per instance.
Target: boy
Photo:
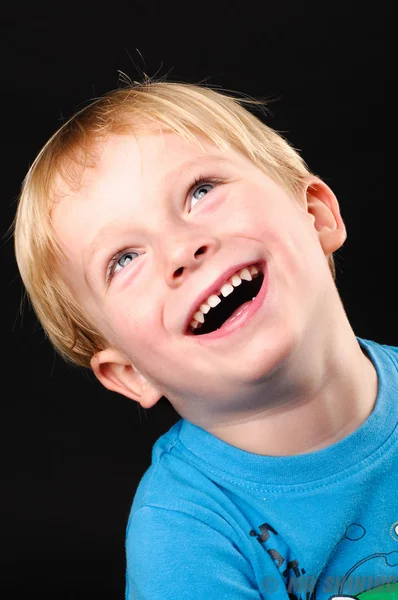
(181, 248)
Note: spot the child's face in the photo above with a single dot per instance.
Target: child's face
(146, 246)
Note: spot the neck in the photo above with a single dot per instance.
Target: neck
(314, 406)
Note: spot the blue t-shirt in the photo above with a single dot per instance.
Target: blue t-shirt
(212, 521)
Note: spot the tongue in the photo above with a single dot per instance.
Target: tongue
(240, 309)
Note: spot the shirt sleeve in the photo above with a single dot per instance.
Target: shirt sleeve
(172, 555)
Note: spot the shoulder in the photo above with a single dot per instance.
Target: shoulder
(181, 540)
(178, 480)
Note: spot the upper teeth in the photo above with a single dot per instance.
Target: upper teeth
(226, 289)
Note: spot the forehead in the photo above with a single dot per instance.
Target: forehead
(151, 156)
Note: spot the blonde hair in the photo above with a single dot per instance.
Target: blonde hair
(185, 109)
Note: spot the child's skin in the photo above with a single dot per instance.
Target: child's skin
(289, 379)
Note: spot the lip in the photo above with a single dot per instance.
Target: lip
(214, 288)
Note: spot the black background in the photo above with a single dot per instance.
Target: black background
(73, 453)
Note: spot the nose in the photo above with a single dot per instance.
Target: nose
(185, 256)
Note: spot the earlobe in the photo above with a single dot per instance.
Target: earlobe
(117, 374)
(324, 209)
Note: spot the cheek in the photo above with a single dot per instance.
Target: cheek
(257, 213)
(133, 324)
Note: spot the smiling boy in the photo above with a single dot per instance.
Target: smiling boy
(183, 249)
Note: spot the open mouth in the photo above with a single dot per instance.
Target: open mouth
(237, 291)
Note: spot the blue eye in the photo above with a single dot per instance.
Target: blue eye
(200, 191)
(120, 261)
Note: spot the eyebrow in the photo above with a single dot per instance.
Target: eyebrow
(107, 230)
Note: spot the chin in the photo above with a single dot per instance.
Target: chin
(270, 353)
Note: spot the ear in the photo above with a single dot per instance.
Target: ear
(117, 374)
(324, 209)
